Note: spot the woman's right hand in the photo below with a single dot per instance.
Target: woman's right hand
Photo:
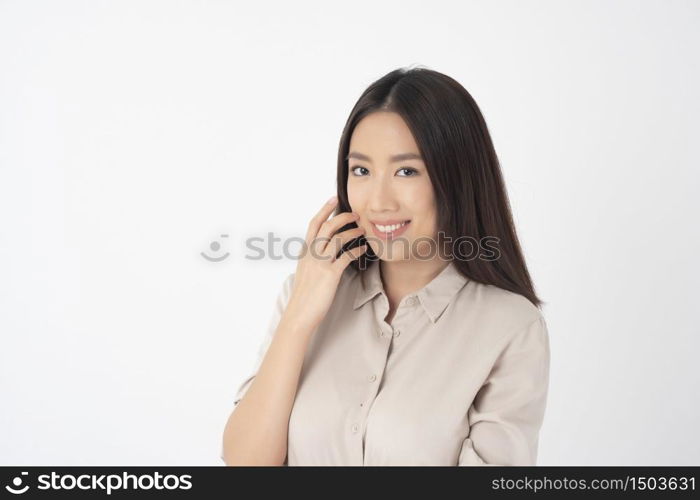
(318, 272)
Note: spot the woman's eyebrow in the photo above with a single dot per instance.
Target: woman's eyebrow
(395, 158)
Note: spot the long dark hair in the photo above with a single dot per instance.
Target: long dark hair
(456, 146)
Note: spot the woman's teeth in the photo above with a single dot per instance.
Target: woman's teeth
(389, 229)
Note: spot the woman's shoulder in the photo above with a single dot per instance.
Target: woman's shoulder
(496, 307)
(506, 300)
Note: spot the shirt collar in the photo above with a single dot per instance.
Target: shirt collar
(434, 297)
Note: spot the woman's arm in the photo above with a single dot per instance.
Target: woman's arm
(256, 432)
(507, 413)
(257, 429)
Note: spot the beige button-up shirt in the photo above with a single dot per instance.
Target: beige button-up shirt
(460, 376)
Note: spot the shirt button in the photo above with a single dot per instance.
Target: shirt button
(397, 333)
(355, 428)
(372, 378)
(410, 301)
(380, 332)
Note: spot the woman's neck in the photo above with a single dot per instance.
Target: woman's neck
(403, 277)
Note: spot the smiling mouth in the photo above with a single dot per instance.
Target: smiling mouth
(390, 228)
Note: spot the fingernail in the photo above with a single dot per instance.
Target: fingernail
(332, 200)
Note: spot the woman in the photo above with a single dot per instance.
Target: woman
(391, 344)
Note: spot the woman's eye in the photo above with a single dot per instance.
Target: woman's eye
(411, 170)
(353, 171)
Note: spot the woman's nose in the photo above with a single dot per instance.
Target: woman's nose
(382, 198)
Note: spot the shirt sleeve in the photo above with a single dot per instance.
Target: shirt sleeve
(507, 413)
(278, 309)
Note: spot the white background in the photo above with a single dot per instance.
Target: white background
(133, 134)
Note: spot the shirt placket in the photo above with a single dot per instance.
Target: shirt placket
(381, 343)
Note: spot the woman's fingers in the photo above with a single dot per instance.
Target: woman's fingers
(332, 226)
(340, 239)
(319, 218)
(348, 256)
(321, 238)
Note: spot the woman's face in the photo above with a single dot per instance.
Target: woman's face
(388, 184)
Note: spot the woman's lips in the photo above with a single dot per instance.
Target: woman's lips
(392, 234)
